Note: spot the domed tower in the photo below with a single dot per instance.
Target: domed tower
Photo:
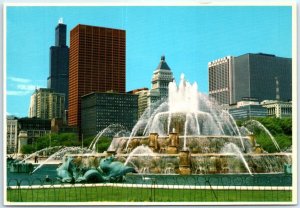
(162, 75)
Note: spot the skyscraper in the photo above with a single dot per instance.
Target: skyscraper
(97, 64)
(101, 109)
(162, 75)
(58, 79)
(260, 76)
(256, 76)
(46, 104)
(220, 80)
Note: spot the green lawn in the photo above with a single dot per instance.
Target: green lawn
(130, 194)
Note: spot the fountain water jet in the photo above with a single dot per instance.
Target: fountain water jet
(111, 130)
(40, 151)
(61, 153)
(231, 148)
(256, 123)
(140, 151)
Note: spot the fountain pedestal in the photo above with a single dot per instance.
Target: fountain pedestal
(173, 143)
(184, 162)
(252, 139)
(153, 143)
(257, 149)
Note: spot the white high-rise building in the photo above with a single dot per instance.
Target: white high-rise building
(46, 104)
(221, 80)
(161, 78)
(12, 134)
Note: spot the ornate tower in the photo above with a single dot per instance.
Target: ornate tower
(162, 75)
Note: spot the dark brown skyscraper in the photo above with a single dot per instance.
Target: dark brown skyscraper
(97, 64)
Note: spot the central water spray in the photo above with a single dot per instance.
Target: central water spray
(189, 112)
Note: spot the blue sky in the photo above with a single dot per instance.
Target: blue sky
(189, 37)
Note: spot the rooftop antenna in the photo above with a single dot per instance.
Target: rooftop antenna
(60, 20)
(277, 89)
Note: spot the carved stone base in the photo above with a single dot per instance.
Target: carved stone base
(184, 171)
(184, 158)
(171, 150)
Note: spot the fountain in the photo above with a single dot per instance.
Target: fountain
(198, 136)
(186, 134)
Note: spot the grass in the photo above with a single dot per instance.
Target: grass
(130, 194)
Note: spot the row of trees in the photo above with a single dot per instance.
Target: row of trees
(281, 129)
(63, 139)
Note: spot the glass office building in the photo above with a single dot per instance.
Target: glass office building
(260, 76)
(99, 110)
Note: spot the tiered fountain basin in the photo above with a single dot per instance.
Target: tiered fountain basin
(156, 154)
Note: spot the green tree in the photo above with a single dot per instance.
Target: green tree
(27, 149)
(63, 139)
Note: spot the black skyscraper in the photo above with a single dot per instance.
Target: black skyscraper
(260, 76)
(58, 78)
(256, 75)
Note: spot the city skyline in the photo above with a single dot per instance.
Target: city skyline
(189, 37)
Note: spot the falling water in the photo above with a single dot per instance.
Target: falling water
(111, 130)
(162, 108)
(225, 116)
(38, 152)
(140, 151)
(230, 149)
(258, 124)
(134, 130)
(185, 132)
(169, 121)
(206, 104)
(244, 131)
(197, 123)
(61, 153)
(236, 127)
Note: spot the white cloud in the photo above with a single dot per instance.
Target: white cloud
(18, 92)
(19, 79)
(28, 87)
(20, 87)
